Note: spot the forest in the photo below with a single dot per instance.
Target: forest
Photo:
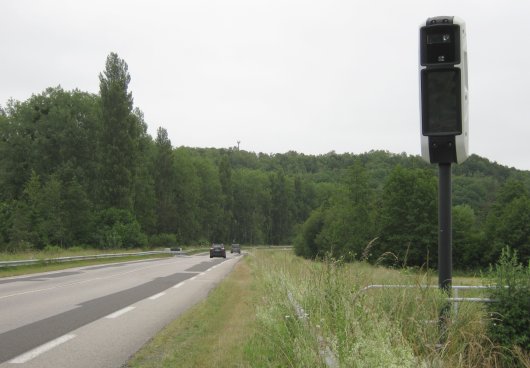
(80, 169)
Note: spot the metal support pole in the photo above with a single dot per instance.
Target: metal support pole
(445, 253)
(445, 256)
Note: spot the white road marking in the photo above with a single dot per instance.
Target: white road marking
(178, 285)
(193, 278)
(156, 296)
(201, 274)
(32, 354)
(120, 312)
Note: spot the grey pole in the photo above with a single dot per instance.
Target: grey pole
(445, 253)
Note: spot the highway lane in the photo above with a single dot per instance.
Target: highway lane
(97, 316)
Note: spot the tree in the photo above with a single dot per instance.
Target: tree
(467, 239)
(251, 193)
(508, 223)
(225, 178)
(50, 207)
(408, 217)
(144, 183)
(210, 205)
(281, 208)
(305, 243)
(187, 191)
(304, 199)
(77, 213)
(119, 135)
(165, 186)
(26, 216)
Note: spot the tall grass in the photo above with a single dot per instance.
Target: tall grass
(363, 328)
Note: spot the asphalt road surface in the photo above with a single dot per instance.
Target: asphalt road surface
(98, 316)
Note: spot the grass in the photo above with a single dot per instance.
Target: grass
(249, 321)
(211, 334)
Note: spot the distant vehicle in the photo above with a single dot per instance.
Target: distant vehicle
(236, 248)
(217, 250)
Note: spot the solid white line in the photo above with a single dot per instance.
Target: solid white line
(120, 312)
(156, 296)
(178, 285)
(201, 274)
(193, 278)
(26, 357)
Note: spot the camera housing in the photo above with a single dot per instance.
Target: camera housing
(444, 90)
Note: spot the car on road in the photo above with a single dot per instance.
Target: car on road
(236, 248)
(217, 250)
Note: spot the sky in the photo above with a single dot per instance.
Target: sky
(277, 75)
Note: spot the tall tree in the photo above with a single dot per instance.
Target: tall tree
(281, 207)
(210, 209)
(119, 135)
(225, 178)
(164, 180)
(508, 223)
(187, 191)
(408, 217)
(251, 191)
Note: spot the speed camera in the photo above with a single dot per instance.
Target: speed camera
(444, 90)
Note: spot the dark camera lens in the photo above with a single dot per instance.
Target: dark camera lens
(436, 38)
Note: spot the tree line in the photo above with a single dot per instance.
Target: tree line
(80, 169)
(395, 220)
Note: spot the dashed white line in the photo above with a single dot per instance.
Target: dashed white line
(156, 296)
(32, 354)
(120, 312)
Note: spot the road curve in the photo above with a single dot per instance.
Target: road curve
(98, 316)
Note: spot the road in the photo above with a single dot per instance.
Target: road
(98, 316)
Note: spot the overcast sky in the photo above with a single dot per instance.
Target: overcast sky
(278, 75)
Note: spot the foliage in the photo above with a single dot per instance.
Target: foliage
(117, 228)
(510, 323)
(80, 169)
(408, 216)
(163, 240)
(305, 243)
(118, 135)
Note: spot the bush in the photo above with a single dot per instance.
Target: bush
(163, 240)
(510, 323)
(118, 229)
(305, 243)
(52, 249)
(19, 246)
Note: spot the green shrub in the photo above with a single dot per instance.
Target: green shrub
(19, 246)
(77, 248)
(163, 240)
(118, 228)
(52, 249)
(510, 315)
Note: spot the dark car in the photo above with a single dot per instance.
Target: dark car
(217, 250)
(236, 248)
